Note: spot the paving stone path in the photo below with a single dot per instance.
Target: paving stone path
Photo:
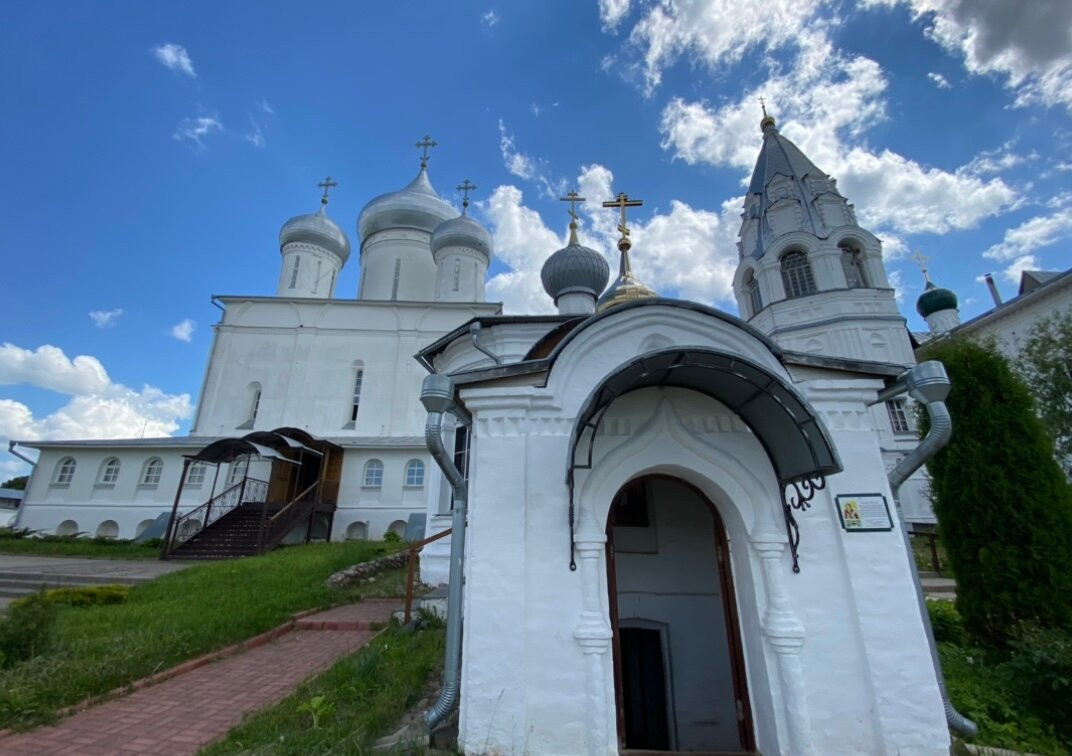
(191, 710)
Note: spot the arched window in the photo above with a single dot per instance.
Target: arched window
(373, 474)
(196, 474)
(254, 401)
(415, 473)
(796, 274)
(108, 529)
(238, 470)
(852, 262)
(67, 528)
(359, 378)
(109, 472)
(398, 527)
(150, 474)
(65, 471)
(751, 288)
(357, 531)
(142, 527)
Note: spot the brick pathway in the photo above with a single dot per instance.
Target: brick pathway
(196, 708)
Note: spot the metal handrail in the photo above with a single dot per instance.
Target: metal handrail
(223, 502)
(411, 568)
(293, 501)
(266, 538)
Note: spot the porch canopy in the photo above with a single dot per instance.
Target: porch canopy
(781, 419)
(275, 444)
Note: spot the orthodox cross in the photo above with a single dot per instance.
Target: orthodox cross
(327, 185)
(466, 187)
(922, 261)
(763, 104)
(426, 144)
(621, 202)
(572, 198)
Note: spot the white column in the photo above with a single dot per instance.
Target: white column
(594, 635)
(785, 635)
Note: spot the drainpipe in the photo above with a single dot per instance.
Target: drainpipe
(928, 384)
(437, 396)
(474, 333)
(11, 448)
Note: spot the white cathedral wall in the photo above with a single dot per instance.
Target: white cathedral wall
(396, 264)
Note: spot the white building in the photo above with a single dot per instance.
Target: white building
(677, 528)
(339, 369)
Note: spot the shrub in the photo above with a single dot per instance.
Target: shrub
(26, 629)
(1042, 666)
(948, 627)
(392, 537)
(1001, 498)
(81, 595)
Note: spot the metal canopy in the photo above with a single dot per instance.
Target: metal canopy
(794, 438)
(230, 449)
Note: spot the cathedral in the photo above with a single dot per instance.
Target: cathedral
(672, 529)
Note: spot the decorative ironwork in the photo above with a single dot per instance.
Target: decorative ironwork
(199, 518)
(797, 494)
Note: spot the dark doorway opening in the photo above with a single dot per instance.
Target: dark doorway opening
(644, 689)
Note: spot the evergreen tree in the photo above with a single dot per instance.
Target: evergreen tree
(1003, 504)
(1045, 364)
(18, 483)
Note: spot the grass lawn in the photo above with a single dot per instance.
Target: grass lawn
(177, 617)
(356, 701)
(18, 542)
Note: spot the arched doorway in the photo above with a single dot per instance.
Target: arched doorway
(679, 669)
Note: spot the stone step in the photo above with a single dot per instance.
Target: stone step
(939, 585)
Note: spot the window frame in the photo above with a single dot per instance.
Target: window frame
(752, 292)
(897, 411)
(64, 474)
(358, 384)
(852, 265)
(108, 475)
(153, 466)
(414, 474)
(798, 279)
(372, 466)
(202, 469)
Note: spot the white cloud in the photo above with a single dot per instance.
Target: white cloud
(194, 130)
(826, 102)
(1040, 231)
(184, 330)
(489, 19)
(265, 106)
(98, 408)
(256, 135)
(525, 166)
(611, 13)
(175, 57)
(998, 160)
(685, 252)
(939, 81)
(105, 318)
(1027, 43)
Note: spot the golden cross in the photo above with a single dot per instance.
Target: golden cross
(621, 202)
(763, 104)
(425, 144)
(327, 185)
(922, 261)
(466, 187)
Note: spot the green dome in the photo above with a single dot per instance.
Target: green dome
(934, 300)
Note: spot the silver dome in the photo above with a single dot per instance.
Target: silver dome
(575, 268)
(316, 229)
(462, 231)
(415, 206)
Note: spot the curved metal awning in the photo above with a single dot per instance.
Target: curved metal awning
(230, 449)
(276, 440)
(781, 419)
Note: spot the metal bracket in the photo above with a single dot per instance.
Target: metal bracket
(797, 494)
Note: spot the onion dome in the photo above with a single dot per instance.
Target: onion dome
(316, 229)
(416, 206)
(627, 287)
(575, 269)
(462, 231)
(935, 299)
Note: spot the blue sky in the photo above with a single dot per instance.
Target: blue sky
(151, 152)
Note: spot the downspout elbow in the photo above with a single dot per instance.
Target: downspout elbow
(11, 448)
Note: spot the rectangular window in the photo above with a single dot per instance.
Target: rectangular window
(294, 273)
(316, 281)
(358, 379)
(898, 416)
(256, 405)
(461, 454)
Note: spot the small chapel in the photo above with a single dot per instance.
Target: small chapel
(672, 528)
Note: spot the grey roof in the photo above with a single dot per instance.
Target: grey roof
(462, 231)
(12, 493)
(150, 443)
(317, 229)
(1032, 279)
(780, 157)
(414, 206)
(575, 268)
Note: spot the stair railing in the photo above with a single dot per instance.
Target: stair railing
(411, 569)
(193, 522)
(274, 528)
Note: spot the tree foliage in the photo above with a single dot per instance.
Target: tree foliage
(19, 483)
(1045, 364)
(1002, 501)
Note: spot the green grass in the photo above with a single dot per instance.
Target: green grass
(921, 549)
(178, 617)
(25, 542)
(358, 700)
